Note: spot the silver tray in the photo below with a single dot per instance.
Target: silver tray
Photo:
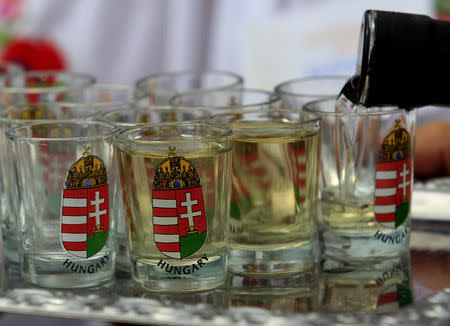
(123, 301)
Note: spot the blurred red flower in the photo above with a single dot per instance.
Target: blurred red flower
(34, 54)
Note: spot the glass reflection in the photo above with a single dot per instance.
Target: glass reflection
(375, 287)
(215, 298)
(294, 293)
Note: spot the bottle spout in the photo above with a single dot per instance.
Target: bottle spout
(351, 90)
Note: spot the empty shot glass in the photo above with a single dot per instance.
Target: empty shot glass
(15, 115)
(176, 183)
(272, 226)
(66, 224)
(366, 177)
(136, 115)
(161, 87)
(42, 86)
(222, 101)
(295, 93)
(106, 97)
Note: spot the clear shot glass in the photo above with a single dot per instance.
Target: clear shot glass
(66, 175)
(42, 86)
(366, 177)
(15, 115)
(272, 227)
(222, 101)
(295, 93)
(162, 86)
(176, 183)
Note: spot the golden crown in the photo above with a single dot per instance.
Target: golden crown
(88, 172)
(175, 172)
(396, 145)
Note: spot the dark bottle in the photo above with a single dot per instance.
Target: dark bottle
(404, 60)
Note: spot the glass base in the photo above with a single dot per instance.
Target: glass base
(179, 276)
(59, 270)
(272, 259)
(356, 245)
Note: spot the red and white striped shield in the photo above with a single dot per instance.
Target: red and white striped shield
(392, 192)
(85, 207)
(82, 211)
(179, 221)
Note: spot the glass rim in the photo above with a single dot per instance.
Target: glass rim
(138, 94)
(12, 132)
(23, 121)
(150, 108)
(278, 88)
(121, 134)
(91, 80)
(308, 107)
(273, 97)
(239, 80)
(312, 118)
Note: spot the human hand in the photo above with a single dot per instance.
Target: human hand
(432, 150)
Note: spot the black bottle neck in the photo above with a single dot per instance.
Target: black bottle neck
(404, 60)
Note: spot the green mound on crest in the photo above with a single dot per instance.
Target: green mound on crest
(401, 213)
(96, 242)
(191, 243)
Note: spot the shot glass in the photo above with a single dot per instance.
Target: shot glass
(176, 182)
(42, 86)
(104, 97)
(66, 226)
(161, 87)
(222, 101)
(133, 116)
(137, 115)
(15, 115)
(366, 177)
(272, 226)
(297, 92)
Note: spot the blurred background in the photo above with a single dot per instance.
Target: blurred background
(266, 41)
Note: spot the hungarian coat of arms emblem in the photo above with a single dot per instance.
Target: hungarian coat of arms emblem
(85, 207)
(393, 179)
(179, 219)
